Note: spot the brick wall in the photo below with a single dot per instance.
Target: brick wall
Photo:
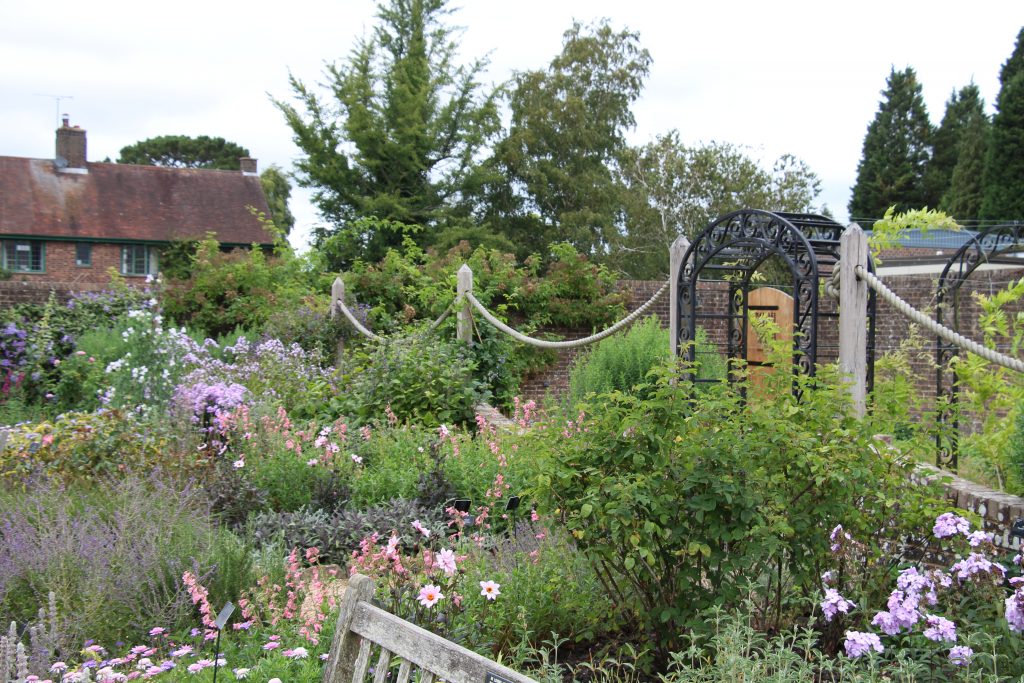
(891, 327)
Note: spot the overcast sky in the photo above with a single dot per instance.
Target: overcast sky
(778, 77)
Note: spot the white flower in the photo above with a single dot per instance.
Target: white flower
(239, 464)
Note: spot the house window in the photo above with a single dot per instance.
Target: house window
(24, 256)
(138, 259)
(83, 254)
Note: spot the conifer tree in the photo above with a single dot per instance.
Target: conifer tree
(394, 154)
(962, 107)
(963, 198)
(1004, 162)
(897, 148)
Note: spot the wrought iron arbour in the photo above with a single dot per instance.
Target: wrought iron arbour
(733, 247)
(998, 245)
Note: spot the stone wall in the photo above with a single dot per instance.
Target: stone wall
(28, 291)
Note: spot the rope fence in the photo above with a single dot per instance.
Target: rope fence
(935, 327)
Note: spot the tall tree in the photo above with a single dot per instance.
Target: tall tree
(397, 146)
(961, 108)
(182, 151)
(278, 191)
(1004, 162)
(567, 131)
(964, 198)
(897, 148)
(678, 190)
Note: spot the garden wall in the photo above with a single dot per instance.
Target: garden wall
(891, 327)
(17, 291)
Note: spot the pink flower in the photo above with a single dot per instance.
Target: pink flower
(420, 528)
(297, 653)
(272, 645)
(489, 590)
(430, 595)
(446, 561)
(158, 631)
(238, 464)
(355, 458)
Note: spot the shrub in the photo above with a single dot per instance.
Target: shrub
(425, 380)
(688, 502)
(113, 553)
(337, 535)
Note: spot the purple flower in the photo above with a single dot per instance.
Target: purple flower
(1015, 610)
(961, 655)
(976, 538)
(976, 563)
(939, 629)
(859, 643)
(948, 524)
(834, 603)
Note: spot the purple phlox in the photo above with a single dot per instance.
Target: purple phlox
(939, 629)
(977, 538)
(837, 537)
(960, 655)
(1015, 609)
(835, 603)
(913, 582)
(860, 643)
(948, 524)
(976, 563)
(828, 577)
(902, 613)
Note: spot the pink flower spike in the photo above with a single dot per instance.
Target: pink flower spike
(430, 595)
(489, 590)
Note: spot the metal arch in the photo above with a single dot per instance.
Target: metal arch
(984, 247)
(738, 243)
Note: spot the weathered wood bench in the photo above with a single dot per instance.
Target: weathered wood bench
(365, 631)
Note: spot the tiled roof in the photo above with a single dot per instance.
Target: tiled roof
(127, 202)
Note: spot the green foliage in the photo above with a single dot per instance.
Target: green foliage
(86, 446)
(402, 146)
(992, 394)
(1004, 163)
(896, 151)
(425, 380)
(888, 230)
(966, 189)
(679, 190)
(177, 257)
(568, 128)
(182, 151)
(683, 504)
(240, 288)
(965, 110)
(278, 190)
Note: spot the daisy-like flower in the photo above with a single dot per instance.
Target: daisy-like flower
(272, 645)
(430, 595)
(58, 667)
(182, 651)
(489, 590)
(158, 631)
(296, 653)
(240, 672)
(238, 464)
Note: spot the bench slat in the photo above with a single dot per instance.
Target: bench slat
(426, 676)
(427, 650)
(403, 671)
(380, 674)
(362, 661)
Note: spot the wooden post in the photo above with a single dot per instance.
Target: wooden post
(337, 294)
(675, 265)
(464, 328)
(345, 646)
(853, 314)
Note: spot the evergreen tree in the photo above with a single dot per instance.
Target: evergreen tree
(182, 151)
(896, 151)
(395, 154)
(556, 164)
(1004, 162)
(964, 197)
(278, 191)
(962, 107)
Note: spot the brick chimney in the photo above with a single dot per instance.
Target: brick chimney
(70, 148)
(248, 165)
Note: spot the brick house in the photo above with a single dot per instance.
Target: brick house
(65, 221)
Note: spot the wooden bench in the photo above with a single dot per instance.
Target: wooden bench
(365, 632)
